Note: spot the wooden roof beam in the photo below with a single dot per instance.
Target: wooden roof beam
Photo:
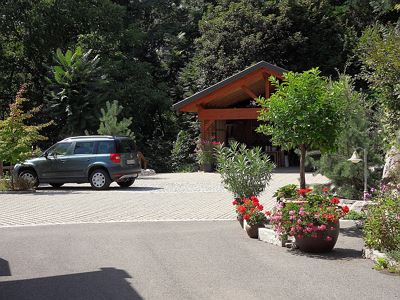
(248, 91)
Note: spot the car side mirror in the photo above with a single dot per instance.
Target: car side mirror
(46, 154)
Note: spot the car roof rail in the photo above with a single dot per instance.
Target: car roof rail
(88, 137)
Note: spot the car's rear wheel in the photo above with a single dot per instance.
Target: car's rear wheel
(99, 179)
(126, 183)
(56, 185)
(31, 176)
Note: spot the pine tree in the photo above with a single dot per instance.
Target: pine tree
(109, 124)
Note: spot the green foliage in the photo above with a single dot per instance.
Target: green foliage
(109, 124)
(206, 150)
(382, 225)
(358, 132)
(182, 158)
(306, 111)
(17, 136)
(288, 191)
(381, 263)
(355, 215)
(245, 172)
(309, 105)
(378, 51)
(291, 34)
(77, 81)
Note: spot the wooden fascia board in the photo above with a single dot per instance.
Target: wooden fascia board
(220, 92)
(229, 114)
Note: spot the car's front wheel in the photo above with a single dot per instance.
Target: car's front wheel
(126, 183)
(99, 179)
(30, 176)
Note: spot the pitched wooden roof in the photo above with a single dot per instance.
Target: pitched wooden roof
(232, 88)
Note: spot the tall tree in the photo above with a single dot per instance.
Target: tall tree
(77, 84)
(379, 53)
(305, 112)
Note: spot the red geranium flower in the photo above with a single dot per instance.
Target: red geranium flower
(241, 209)
(260, 207)
(235, 202)
(304, 191)
(246, 216)
(325, 189)
(335, 200)
(267, 213)
(345, 209)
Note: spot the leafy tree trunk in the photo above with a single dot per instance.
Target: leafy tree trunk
(1, 168)
(302, 166)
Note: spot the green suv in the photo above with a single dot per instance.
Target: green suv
(98, 160)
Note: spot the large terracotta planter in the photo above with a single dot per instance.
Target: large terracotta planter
(252, 230)
(320, 244)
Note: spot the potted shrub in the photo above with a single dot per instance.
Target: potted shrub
(251, 211)
(312, 219)
(205, 153)
(244, 172)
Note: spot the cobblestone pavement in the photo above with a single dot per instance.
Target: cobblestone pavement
(162, 197)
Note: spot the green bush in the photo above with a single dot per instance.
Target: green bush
(382, 225)
(245, 172)
(354, 215)
(287, 191)
(182, 158)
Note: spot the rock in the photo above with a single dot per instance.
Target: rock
(147, 172)
(392, 165)
(358, 206)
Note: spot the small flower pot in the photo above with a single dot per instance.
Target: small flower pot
(320, 244)
(252, 230)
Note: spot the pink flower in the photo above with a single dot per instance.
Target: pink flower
(235, 202)
(292, 212)
(328, 238)
(322, 227)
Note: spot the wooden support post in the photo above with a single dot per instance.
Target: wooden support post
(267, 86)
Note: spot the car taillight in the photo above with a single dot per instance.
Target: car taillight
(115, 158)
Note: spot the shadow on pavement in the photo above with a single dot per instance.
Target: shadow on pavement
(351, 232)
(335, 254)
(4, 268)
(108, 283)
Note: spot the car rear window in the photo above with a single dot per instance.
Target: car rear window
(126, 146)
(105, 147)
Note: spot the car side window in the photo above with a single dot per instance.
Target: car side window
(60, 149)
(84, 148)
(105, 147)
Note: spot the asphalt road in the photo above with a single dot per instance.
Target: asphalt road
(178, 260)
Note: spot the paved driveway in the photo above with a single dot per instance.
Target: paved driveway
(176, 197)
(179, 260)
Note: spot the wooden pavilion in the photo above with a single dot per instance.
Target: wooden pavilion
(228, 111)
